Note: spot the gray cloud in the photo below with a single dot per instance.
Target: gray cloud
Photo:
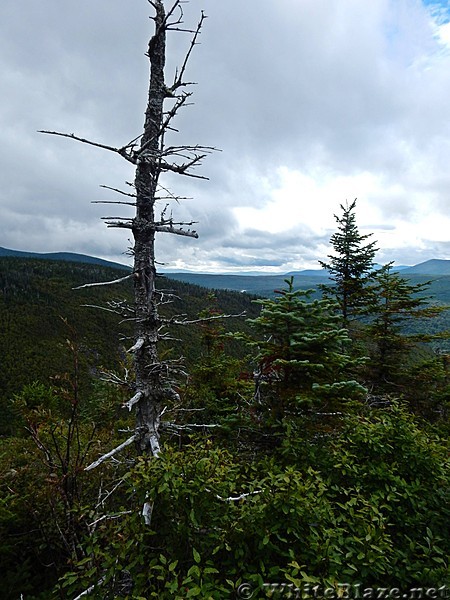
(329, 89)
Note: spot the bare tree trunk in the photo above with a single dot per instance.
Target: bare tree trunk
(153, 383)
(148, 375)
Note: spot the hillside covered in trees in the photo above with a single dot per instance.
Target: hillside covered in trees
(289, 457)
(40, 309)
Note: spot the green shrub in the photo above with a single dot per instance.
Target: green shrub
(373, 510)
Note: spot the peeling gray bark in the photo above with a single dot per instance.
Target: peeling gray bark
(151, 383)
(148, 384)
(152, 158)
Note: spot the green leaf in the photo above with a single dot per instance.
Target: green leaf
(194, 571)
(173, 565)
(197, 556)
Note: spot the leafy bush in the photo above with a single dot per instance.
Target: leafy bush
(373, 510)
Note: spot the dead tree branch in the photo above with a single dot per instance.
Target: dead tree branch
(178, 79)
(111, 453)
(235, 498)
(122, 151)
(99, 283)
(175, 321)
(134, 400)
(107, 187)
(176, 231)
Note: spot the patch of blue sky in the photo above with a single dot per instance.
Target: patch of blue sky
(440, 11)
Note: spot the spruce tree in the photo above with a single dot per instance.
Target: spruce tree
(351, 265)
(396, 303)
(303, 364)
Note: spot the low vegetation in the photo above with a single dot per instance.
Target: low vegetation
(286, 460)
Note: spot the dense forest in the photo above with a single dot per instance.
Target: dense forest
(39, 310)
(305, 450)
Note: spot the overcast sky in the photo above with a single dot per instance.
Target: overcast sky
(312, 103)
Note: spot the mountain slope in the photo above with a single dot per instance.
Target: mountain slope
(37, 296)
(64, 256)
(434, 266)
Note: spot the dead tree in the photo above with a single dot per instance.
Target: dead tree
(152, 158)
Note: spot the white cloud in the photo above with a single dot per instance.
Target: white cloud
(311, 102)
(308, 199)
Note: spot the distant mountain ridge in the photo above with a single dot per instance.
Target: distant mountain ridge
(263, 284)
(65, 256)
(434, 266)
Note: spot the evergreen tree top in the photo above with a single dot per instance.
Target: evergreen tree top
(352, 264)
